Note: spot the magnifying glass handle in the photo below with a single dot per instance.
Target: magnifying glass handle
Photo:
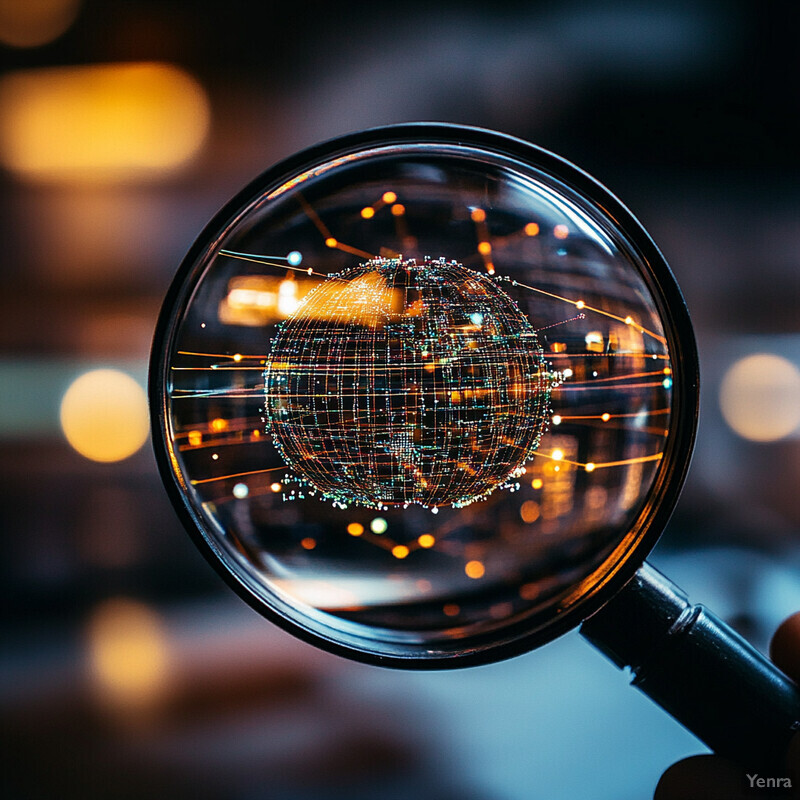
(699, 670)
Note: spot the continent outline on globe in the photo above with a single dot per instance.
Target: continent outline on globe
(397, 382)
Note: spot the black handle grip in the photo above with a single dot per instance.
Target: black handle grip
(698, 669)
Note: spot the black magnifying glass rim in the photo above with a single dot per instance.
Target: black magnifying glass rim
(518, 637)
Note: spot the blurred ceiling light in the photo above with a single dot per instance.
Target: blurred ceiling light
(32, 23)
(760, 397)
(101, 123)
(104, 415)
(127, 653)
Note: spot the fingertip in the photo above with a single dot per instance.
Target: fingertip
(709, 777)
(784, 648)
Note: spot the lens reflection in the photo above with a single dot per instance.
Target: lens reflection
(415, 394)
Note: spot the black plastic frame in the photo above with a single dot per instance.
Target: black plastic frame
(518, 638)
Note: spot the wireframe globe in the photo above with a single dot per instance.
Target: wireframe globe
(400, 383)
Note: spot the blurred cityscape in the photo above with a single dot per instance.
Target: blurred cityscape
(128, 669)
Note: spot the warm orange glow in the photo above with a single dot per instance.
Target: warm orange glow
(426, 540)
(557, 455)
(529, 511)
(474, 569)
(331, 242)
(556, 419)
(32, 23)
(451, 609)
(101, 122)
(561, 231)
(398, 209)
(628, 320)
(605, 417)
(478, 215)
(490, 267)
(276, 487)
(218, 425)
(580, 304)
(484, 248)
(532, 229)
(368, 212)
(195, 438)
(308, 543)
(389, 197)
(537, 483)
(589, 466)
(400, 551)
(104, 415)
(355, 529)
(127, 653)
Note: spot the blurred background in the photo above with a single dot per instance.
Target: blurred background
(127, 669)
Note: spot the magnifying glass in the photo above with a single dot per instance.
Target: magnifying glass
(425, 396)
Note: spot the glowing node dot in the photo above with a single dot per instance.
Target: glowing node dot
(629, 320)
(389, 197)
(561, 231)
(567, 373)
(355, 529)
(484, 248)
(537, 483)
(532, 229)
(605, 417)
(478, 215)
(218, 425)
(426, 540)
(400, 551)
(557, 455)
(368, 212)
(195, 438)
(529, 511)
(580, 304)
(474, 569)
(331, 242)
(589, 467)
(378, 525)
(237, 357)
(398, 209)
(556, 419)
(490, 268)
(308, 543)
(451, 609)
(294, 258)
(275, 487)
(214, 457)
(240, 491)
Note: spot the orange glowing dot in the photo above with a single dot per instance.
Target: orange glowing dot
(368, 212)
(490, 268)
(389, 197)
(256, 433)
(629, 320)
(605, 417)
(398, 209)
(557, 455)
(426, 540)
(218, 425)
(308, 543)
(667, 371)
(532, 229)
(484, 248)
(561, 231)
(478, 215)
(331, 242)
(474, 569)
(589, 467)
(580, 304)
(399, 551)
(455, 397)
(529, 511)
(195, 438)
(276, 487)
(451, 609)
(355, 529)
(237, 357)
(556, 419)
(537, 483)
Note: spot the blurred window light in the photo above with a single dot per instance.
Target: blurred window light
(32, 23)
(104, 415)
(760, 397)
(127, 653)
(99, 123)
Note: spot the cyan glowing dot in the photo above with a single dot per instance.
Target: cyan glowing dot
(667, 383)
(294, 258)
(378, 525)
(476, 318)
(240, 491)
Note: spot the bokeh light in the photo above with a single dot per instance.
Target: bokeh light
(760, 397)
(33, 23)
(104, 415)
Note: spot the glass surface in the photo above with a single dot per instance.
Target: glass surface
(415, 394)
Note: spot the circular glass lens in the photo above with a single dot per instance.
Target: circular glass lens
(418, 397)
